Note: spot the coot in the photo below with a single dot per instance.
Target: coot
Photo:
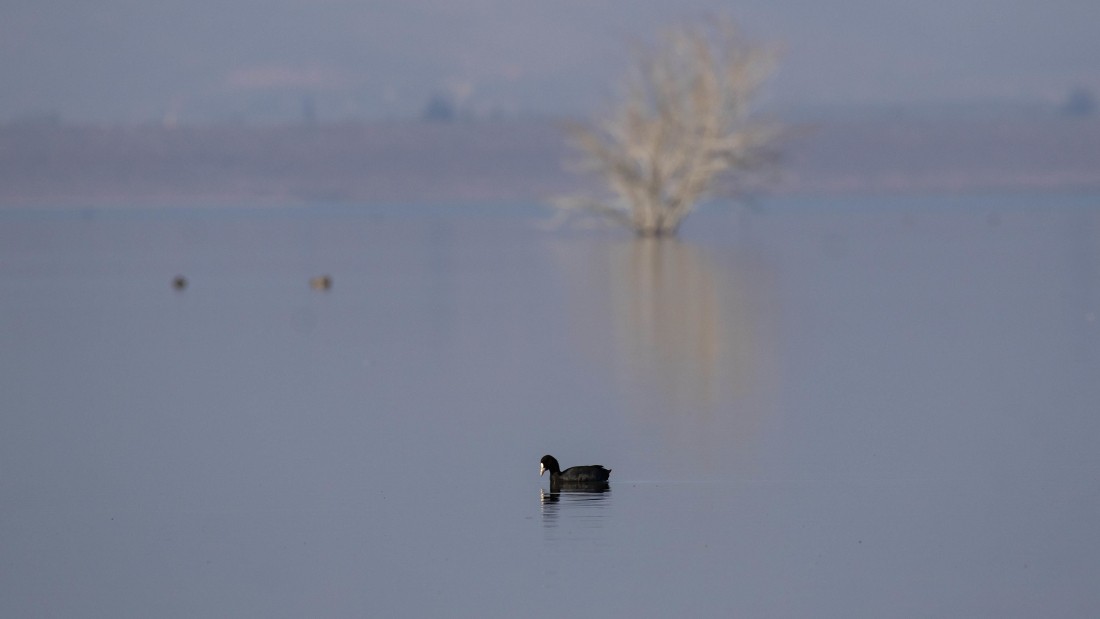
(592, 473)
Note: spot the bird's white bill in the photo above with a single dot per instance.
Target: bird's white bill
(542, 469)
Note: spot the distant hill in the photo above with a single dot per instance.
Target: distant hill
(49, 163)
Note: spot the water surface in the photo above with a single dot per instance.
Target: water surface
(813, 408)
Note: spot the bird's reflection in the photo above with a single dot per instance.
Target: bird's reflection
(584, 500)
(576, 487)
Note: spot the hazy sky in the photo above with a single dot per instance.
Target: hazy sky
(196, 60)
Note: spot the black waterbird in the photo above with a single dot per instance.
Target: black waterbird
(574, 476)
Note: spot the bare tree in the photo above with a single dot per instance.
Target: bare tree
(683, 123)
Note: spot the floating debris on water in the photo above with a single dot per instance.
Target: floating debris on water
(321, 282)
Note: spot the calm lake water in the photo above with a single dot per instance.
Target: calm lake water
(814, 408)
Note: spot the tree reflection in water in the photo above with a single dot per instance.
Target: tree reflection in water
(692, 343)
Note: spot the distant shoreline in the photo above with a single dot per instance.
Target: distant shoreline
(50, 164)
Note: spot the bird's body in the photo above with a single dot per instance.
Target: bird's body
(588, 474)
